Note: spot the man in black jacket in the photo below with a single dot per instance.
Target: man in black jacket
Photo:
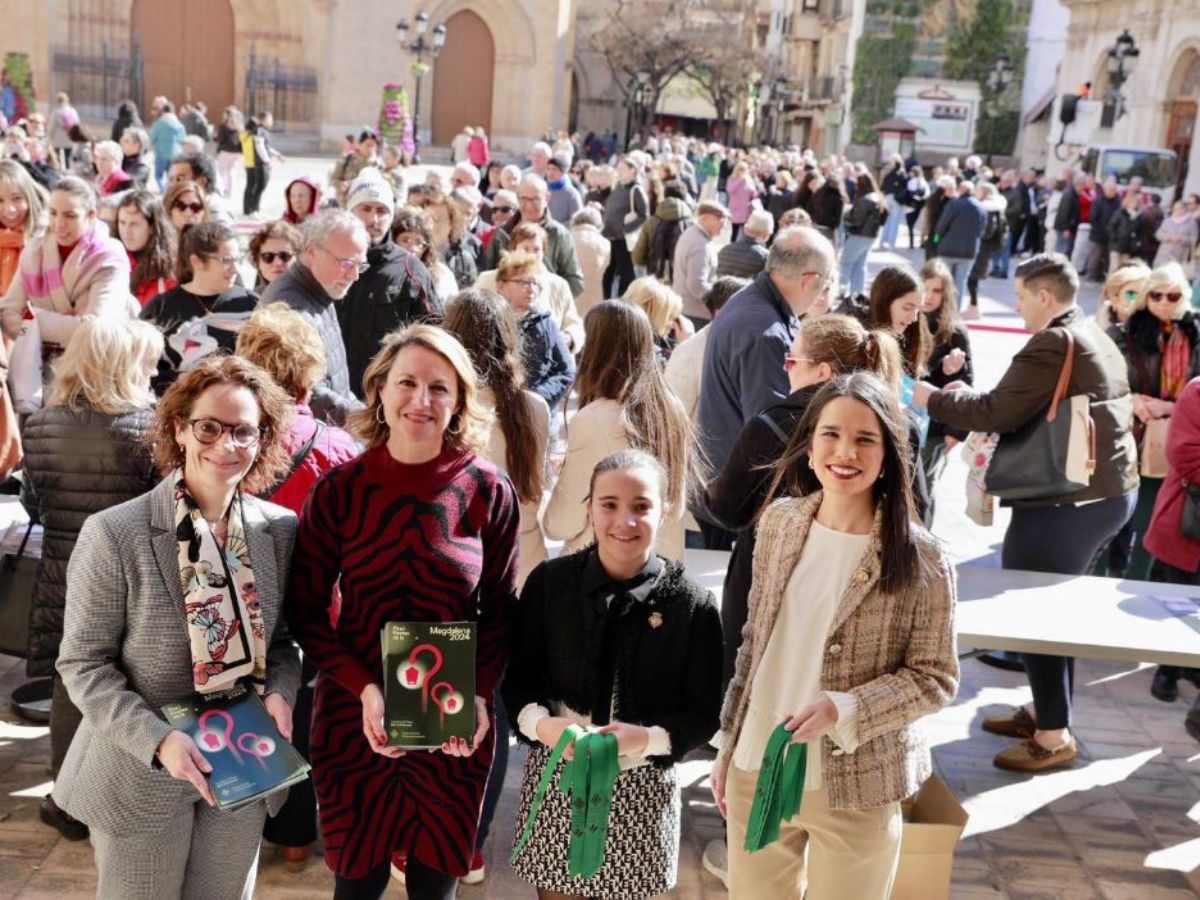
(1103, 208)
(334, 255)
(396, 288)
(1066, 220)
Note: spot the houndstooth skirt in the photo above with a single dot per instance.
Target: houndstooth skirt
(641, 852)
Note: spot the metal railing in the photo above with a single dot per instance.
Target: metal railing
(99, 80)
(289, 92)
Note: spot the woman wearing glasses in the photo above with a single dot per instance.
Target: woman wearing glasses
(203, 314)
(145, 627)
(272, 249)
(549, 366)
(184, 203)
(1122, 288)
(418, 528)
(1161, 344)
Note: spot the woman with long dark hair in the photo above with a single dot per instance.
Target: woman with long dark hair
(863, 222)
(896, 307)
(149, 240)
(950, 359)
(849, 641)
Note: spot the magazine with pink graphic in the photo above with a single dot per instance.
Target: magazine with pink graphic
(236, 734)
(428, 682)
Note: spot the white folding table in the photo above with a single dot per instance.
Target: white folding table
(1061, 615)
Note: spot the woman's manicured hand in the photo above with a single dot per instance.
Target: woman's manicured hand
(459, 747)
(281, 714)
(183, 760)
(812, 721)
(372, 704)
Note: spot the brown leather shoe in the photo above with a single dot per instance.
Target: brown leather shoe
(1030, 756)
(294, 858)
(1017, 723)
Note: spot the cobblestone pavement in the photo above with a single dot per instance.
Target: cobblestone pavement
(1120, 824)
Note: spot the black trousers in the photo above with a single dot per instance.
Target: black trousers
(619, 274)
(1063, 540)
(256, 182)
(420, 883)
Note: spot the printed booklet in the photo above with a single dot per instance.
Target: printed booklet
(236, 734)
(428, 682)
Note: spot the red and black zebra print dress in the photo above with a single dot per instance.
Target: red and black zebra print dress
(430, 542)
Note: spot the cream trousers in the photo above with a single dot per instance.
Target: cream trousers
(852, 854)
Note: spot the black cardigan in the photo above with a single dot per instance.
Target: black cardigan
(668, 674)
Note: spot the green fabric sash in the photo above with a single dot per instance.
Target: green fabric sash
(779, 789)
(588, 781)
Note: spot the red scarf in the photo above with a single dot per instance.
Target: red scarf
(1176, 362)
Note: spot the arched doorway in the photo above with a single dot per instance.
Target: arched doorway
(1181, 119)
(462, 88)
(188, 48)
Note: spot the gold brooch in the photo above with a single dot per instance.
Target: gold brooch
(655, 619)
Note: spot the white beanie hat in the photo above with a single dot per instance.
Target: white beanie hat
(369, 187)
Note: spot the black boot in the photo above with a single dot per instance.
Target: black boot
(66, 825)
(1165, 686)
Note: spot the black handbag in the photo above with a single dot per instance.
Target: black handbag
(1039, 459)
(18, 574)
(1189, 519)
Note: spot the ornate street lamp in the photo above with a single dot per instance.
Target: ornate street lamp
(1122, 60)
(420, 48)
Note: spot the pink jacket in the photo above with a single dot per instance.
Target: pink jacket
(1163, 538)
(741, 199)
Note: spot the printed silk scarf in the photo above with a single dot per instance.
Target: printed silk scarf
(225, 624)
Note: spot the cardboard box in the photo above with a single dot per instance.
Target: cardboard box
(933, 822)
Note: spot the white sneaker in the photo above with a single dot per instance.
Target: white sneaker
(971, 313)
(716, 860)
(478, 871)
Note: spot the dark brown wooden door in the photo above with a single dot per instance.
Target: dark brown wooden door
(1179, 138)
(188, 47)
(462, 93)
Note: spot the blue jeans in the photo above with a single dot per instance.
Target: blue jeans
(960, 268)
(161, 165)
(891, 228)
(1063, 244)
(854, 262)
(1000, 261)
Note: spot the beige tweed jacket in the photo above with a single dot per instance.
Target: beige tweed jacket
(896, 653)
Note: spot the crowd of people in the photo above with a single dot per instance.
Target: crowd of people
(423, 384)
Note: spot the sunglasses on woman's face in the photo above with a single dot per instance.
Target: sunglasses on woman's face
(503, 210)
(196, 208)
(282, 255)
(1130, 294)
(1167, 296)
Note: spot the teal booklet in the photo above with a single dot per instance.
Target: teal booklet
(428, 682)
(248, 755)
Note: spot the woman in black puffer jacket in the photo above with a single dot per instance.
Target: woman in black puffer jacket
(83, 454)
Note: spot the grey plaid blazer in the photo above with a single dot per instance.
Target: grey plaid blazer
(125, 654)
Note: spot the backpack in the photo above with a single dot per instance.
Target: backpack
(662, 247)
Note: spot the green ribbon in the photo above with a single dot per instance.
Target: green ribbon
(778, 791)
(588, 781)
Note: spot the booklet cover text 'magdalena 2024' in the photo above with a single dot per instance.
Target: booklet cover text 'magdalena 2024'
(428, 682)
